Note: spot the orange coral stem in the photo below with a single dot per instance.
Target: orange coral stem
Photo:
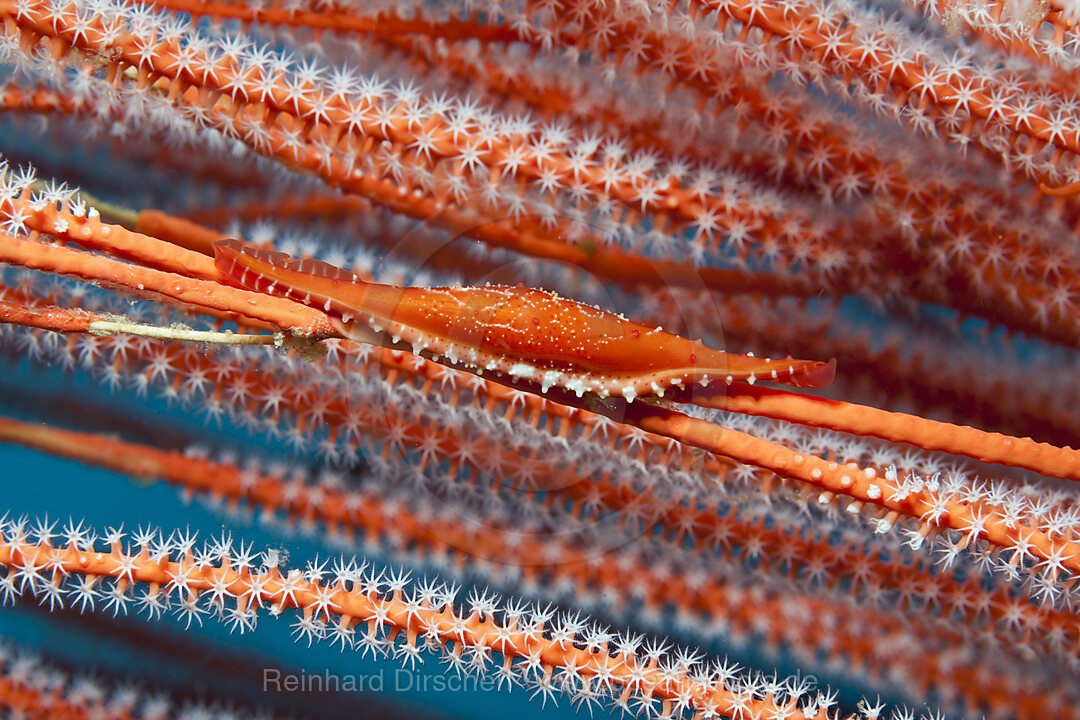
(925, 433)
(1061, 191)
(47, 318)
(159, 285)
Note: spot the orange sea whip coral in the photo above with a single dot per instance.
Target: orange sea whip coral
(837, 480)
(552, 160)
(358, 144)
